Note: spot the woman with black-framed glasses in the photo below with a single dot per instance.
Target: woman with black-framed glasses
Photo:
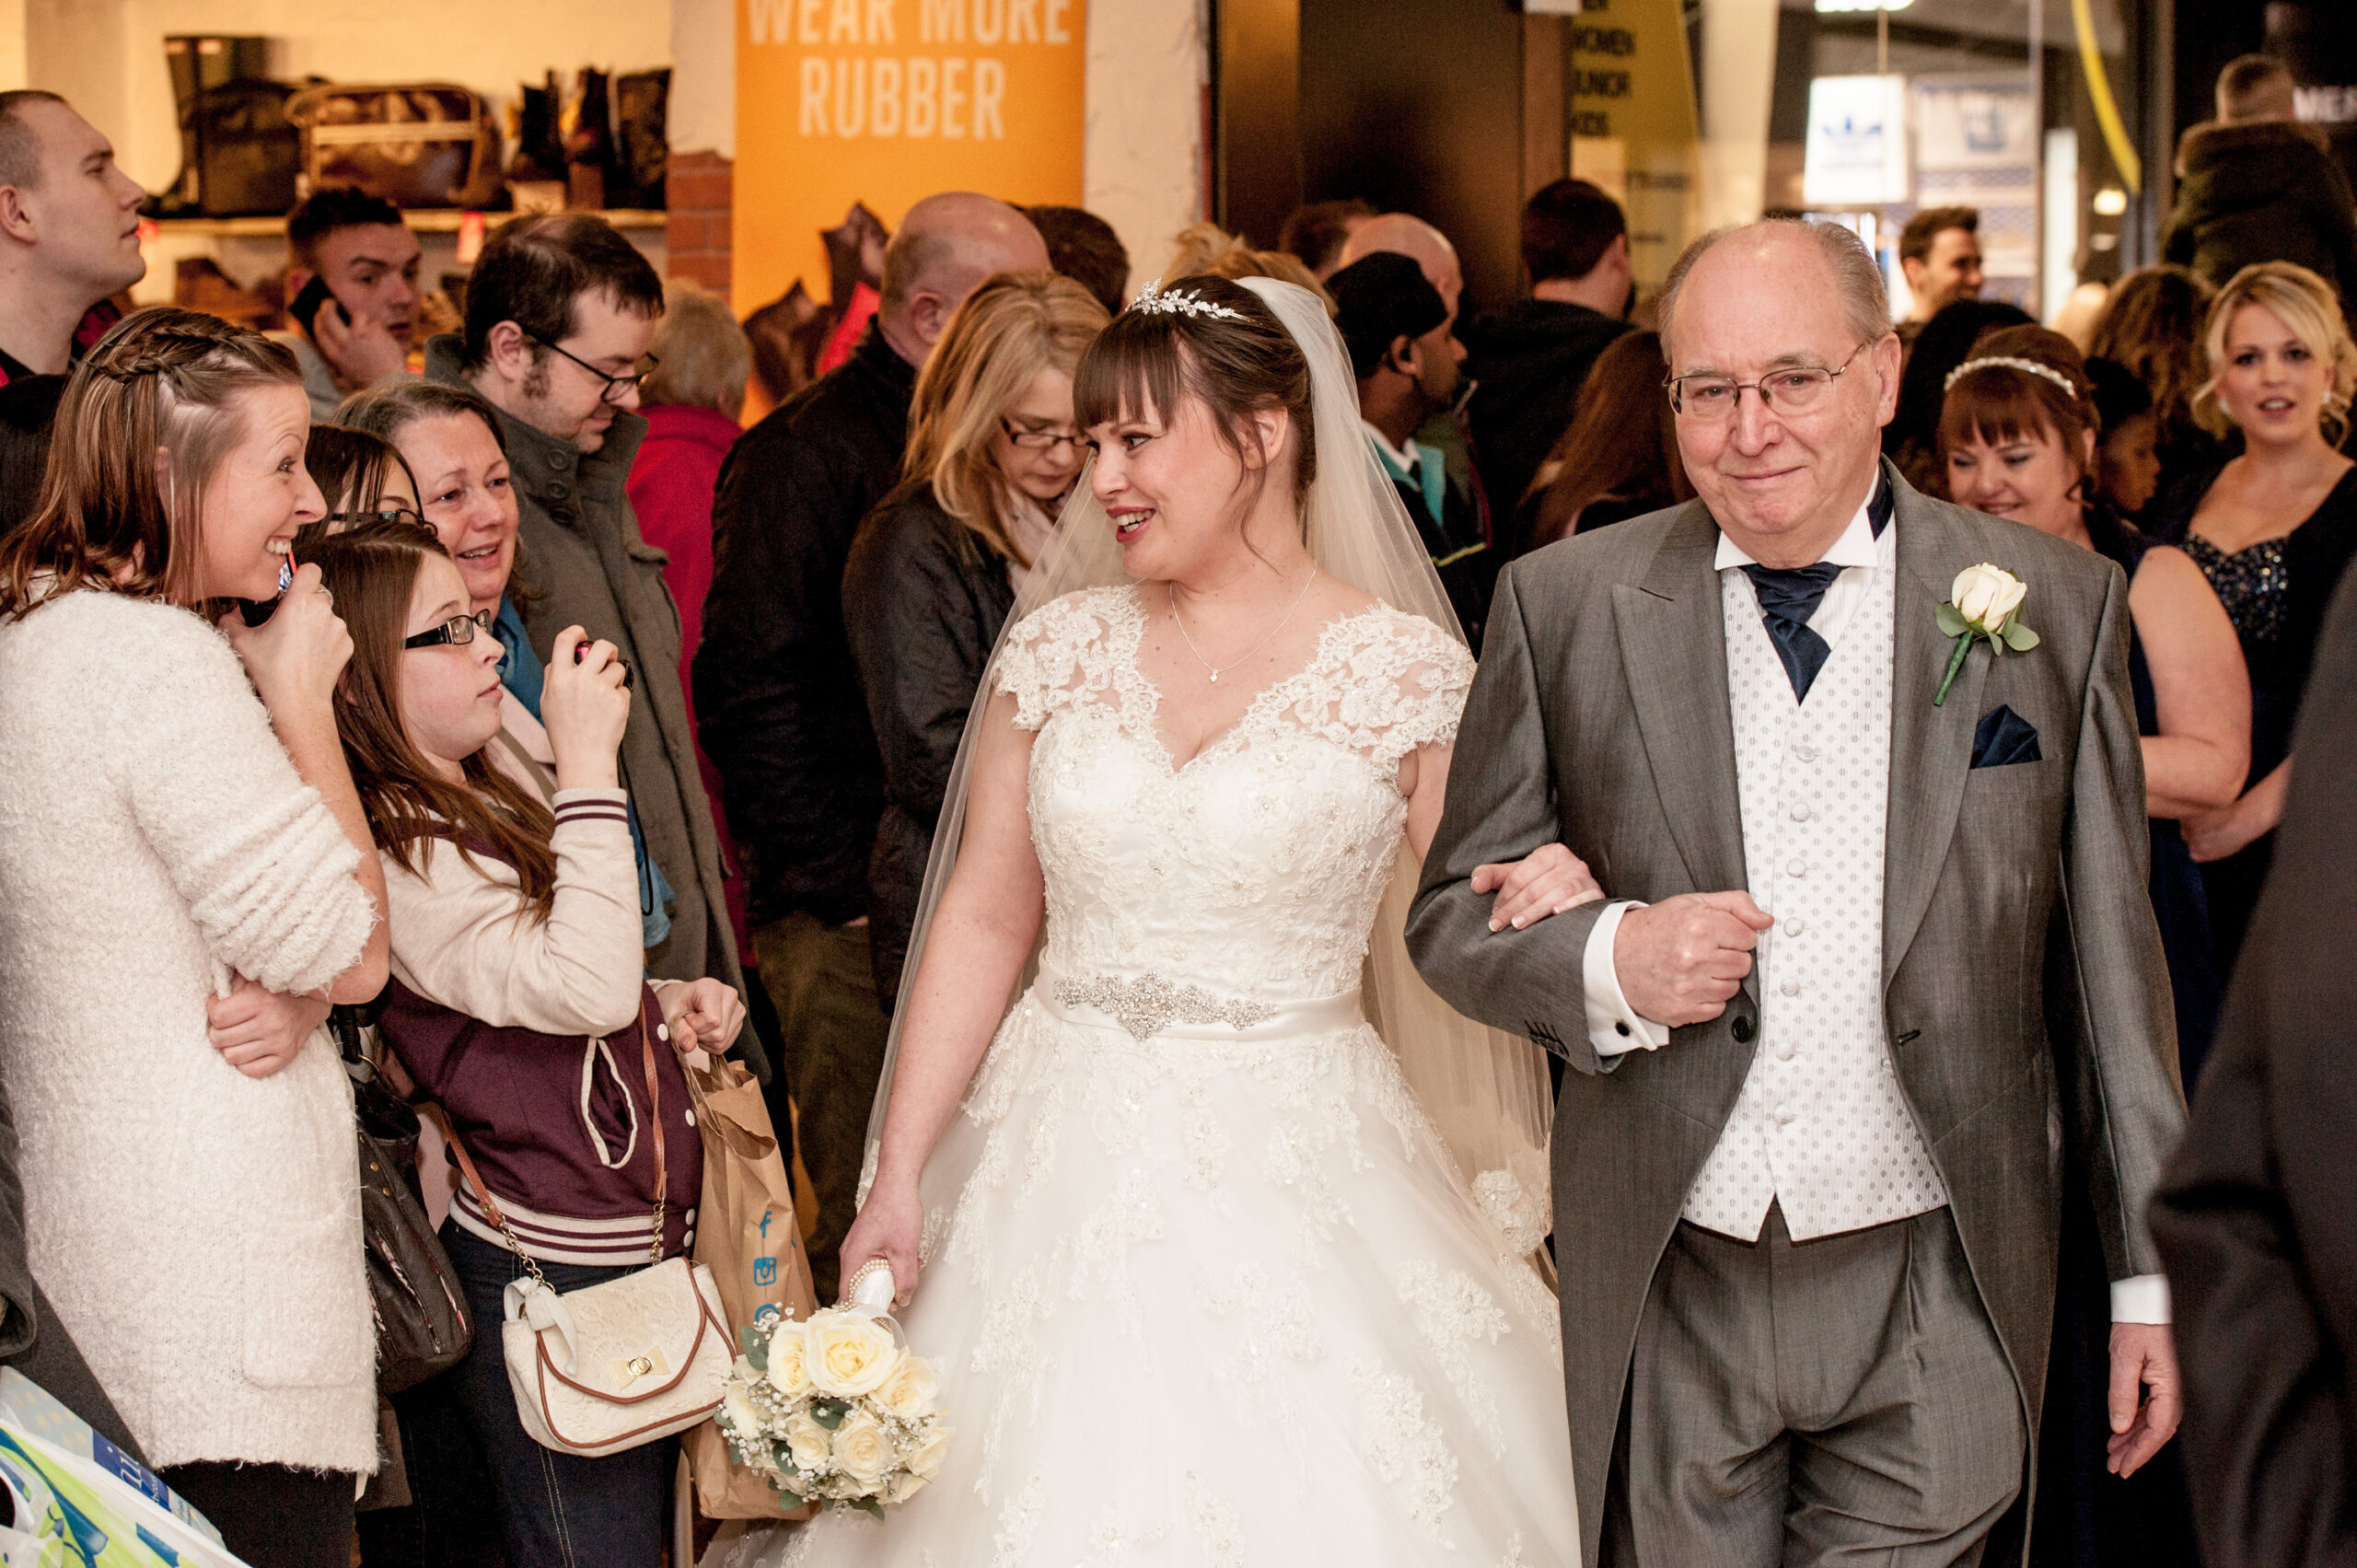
(933, 573)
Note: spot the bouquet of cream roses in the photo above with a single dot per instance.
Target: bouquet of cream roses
(834, 1408)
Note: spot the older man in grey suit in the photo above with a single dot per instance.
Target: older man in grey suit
(1865, 958)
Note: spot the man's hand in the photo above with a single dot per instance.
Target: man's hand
(1679, 960)
(2147, 1398)
(361, 353)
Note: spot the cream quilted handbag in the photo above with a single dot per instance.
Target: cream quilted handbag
(612, 1365)
(599, 1370)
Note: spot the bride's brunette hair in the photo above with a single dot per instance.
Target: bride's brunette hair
(372, 571)
(110, 516)
(1238, 363)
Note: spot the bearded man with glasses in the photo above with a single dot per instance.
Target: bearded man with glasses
(1873, 978)
(560, 312)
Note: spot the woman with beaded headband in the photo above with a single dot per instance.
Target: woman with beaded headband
(2017, 436)
(2272, 527)
(189, 884)
(1224, 1231)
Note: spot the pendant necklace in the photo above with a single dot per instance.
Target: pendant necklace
(1171, 589)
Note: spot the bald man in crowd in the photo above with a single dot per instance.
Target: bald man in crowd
(777, 695)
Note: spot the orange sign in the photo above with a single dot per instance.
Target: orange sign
(887, 101)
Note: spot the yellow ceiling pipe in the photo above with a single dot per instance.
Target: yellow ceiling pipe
(2115, 133)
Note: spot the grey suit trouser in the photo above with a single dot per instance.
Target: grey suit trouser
(1842, 1401)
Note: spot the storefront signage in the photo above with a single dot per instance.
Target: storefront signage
(1631, 104)
(885, 101)
(1856, 151)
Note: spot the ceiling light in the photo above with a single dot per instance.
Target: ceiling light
(2110, 202)
(1823, 6)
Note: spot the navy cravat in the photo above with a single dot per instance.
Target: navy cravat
(1788, 597)
(1790, 594)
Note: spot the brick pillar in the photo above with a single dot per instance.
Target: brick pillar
(701, 200)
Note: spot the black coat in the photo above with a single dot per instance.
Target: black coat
(2269, 191)
(925, 600)
(2254, 1217)
(1529, 362)
(777, 697)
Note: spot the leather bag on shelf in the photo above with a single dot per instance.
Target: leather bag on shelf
(416, 144)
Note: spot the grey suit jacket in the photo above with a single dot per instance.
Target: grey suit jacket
(2023, 978)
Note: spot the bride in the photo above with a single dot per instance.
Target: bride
(1210, 1275)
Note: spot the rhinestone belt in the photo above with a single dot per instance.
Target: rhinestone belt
(1148, 1004)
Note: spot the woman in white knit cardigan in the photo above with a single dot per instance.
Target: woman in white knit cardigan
(186, 882)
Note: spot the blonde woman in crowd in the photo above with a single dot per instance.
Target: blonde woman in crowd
(2273, 529)
(190, 883)
(934, 570)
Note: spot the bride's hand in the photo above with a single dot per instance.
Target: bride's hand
(1547, 881)
(887, 1227)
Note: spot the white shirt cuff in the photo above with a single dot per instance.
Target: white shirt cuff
(1613, 1026)
(2145, 1299)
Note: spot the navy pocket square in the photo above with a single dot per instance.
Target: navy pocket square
(2003, 738)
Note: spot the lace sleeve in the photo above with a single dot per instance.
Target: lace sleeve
(1435, 672)
(1397, 682)
(1055, 654)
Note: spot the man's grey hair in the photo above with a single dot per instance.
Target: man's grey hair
(1857, 282)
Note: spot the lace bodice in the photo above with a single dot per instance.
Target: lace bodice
(1254, 870)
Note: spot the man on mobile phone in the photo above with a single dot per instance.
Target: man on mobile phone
(352, 293)
(69, 235)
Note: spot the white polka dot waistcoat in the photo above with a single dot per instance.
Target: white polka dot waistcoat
(1820, 1126)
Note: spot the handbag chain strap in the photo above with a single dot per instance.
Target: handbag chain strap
(489, 1205)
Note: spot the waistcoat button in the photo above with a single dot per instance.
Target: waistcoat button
(1792, 927)
(1800, 813)
(1798, 867)
(1792, 988)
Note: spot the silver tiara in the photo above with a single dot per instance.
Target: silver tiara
(2007, 362)
(1154, 302)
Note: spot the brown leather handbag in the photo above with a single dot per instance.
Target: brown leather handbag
(416, 144)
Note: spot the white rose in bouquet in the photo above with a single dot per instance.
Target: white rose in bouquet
(789, 1371)
(905, 1486)
(925, 1463)
(862, 1451)
(809, 1442)
(912, 1391)
(849, 1354)
(737, 1404)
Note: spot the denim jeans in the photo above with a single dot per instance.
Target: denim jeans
(557, 1510)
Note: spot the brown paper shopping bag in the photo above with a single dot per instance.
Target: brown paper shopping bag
(746, 1234)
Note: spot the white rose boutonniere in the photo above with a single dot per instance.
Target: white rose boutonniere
(1985, 604)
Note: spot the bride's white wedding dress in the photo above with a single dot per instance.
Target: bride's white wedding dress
(1201, 1285)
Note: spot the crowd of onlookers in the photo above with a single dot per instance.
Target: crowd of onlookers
(494, 694)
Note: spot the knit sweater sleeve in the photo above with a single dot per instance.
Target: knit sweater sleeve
(269, 876)
(462, 937)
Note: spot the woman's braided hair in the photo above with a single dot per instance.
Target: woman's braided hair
(147, 419)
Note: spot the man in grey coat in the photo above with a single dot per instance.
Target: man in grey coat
(560, 311)
(1873, 945)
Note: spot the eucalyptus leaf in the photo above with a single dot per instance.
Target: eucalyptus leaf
(1951, 621)
(866, 1505)
(828, 1413)
(756, 1346)
(2019, 638)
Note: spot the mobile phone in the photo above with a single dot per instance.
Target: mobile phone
(306, 305)
(581, 651)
